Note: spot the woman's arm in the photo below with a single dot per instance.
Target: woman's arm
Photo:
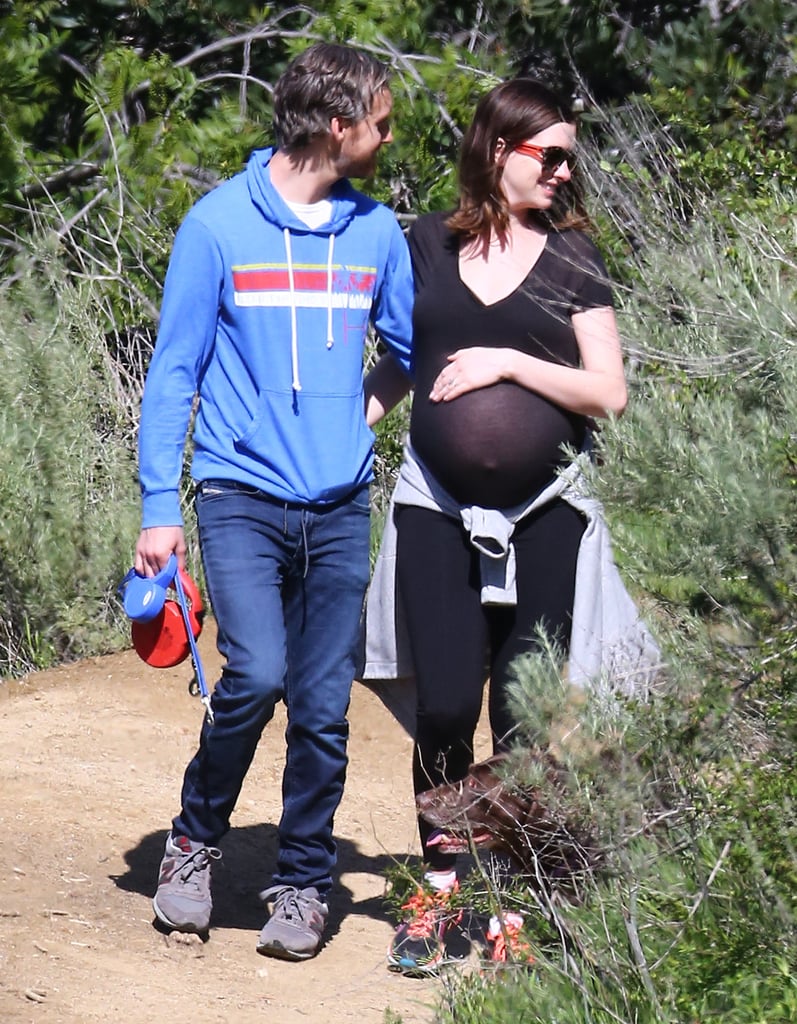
(384, 386)
(596, 388)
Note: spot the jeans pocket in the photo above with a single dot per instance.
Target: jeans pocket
(211, 490)
(360, 501)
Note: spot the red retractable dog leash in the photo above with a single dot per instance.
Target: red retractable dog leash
(165, 631)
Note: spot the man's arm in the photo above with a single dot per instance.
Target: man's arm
(189, 313)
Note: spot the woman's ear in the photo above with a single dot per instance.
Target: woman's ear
(501, 150)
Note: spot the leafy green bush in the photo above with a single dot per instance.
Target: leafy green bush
(708, 313)
(68, 492)
(691, 916)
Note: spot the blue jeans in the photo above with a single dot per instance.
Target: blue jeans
(286, 583)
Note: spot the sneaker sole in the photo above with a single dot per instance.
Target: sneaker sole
(416, 971)
(280, 952)
(187, 927)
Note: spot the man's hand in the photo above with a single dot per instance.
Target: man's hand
(154, 547)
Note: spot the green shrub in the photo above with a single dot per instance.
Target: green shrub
(68, 491)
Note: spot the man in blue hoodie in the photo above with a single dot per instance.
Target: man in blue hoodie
(274, 278)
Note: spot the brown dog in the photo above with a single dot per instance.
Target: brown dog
(485, 811)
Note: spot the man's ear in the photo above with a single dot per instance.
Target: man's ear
(337, 128)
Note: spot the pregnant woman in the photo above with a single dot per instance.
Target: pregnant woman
(516, 348)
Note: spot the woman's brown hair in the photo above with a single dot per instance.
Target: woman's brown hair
(514, 111)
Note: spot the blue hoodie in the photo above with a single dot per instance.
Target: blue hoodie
(265, 320)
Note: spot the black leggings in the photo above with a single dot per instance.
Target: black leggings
(457, 642)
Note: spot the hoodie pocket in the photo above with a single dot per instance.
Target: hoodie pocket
(245, 441)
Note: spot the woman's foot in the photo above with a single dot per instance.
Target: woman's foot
(418, 946)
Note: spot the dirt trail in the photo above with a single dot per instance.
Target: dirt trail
(91, 758)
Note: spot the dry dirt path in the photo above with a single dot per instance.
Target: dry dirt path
(91, 758)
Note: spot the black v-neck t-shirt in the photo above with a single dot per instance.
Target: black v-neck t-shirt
(497, 446)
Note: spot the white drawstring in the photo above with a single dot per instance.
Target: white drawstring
(296, 384)
(330, 338)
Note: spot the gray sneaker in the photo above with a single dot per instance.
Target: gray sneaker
(183, 901)
(296, 923)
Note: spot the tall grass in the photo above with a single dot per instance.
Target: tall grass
(68, 491)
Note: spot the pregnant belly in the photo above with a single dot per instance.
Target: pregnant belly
(495, 447)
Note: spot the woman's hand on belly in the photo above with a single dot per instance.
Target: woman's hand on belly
(596, 387)
(469, 369)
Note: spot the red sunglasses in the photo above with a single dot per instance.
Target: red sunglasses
(551, 157)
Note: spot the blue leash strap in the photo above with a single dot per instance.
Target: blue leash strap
(204, 696)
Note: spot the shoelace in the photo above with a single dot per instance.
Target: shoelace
(199, 861)
(288, 901)
(506, 940)
(425, 911)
